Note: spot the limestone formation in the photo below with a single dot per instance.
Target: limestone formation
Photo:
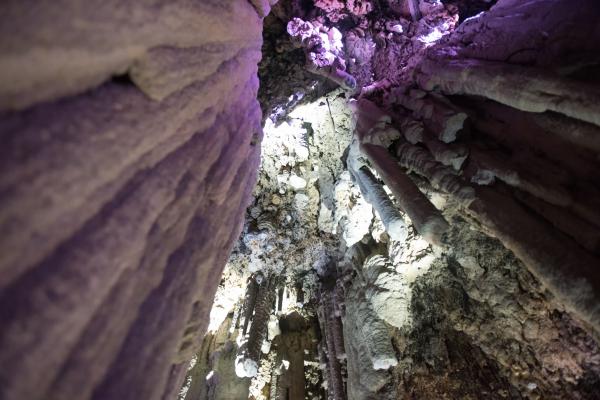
(249, 303)
(424, 216)
(523, 88)
(413, 215)
(439, 115)
(122, 197)
(375, 194)
(442, 178)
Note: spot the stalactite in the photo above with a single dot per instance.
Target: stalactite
(198, 388)
(370, 350)
(580, 133)
(325, 368)
(516, 130)
(335, 383)
(338, 75)
(369, 120)
(425, 217)
(337, 298)
(375, 194)
(524, 88)
(452, 154)
(260, 321)
(566, 164)
(413, 7)
(441, 177)
(579, 229)
(248, 355)
(555, 259)
(249, 302)
(552, 193)
(564, 267)
(334, 325)
(438, 114)
(335, 369)
(274, 386)
(235, 322)
(378, 86)
(412, 130)
(377, 340)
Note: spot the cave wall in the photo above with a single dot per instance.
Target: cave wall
(131, 136)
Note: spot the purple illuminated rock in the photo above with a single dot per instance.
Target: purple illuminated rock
(120, 198)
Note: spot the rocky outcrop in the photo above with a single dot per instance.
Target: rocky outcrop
(131, 137)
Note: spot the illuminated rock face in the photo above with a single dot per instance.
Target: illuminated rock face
(121, 197)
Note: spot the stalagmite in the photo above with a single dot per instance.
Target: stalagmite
(441, 177)
(524, 88)
(425, 217)
(375, 194)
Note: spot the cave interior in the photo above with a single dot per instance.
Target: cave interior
(300, 200)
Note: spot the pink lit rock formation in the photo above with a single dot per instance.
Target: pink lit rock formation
(120, 199)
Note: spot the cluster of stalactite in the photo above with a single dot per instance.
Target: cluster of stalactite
(520, 160)
(257, 307)
(332, 351)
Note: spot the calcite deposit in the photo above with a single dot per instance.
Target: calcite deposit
(299, 200)
(426, 287)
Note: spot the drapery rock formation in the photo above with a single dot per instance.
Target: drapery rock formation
(424, 222)
(131, 137)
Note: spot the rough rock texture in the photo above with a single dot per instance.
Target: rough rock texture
(466, 318)
(496, 306)
(120, 198)
(476, 333)
(429, 229)
(211, 373)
